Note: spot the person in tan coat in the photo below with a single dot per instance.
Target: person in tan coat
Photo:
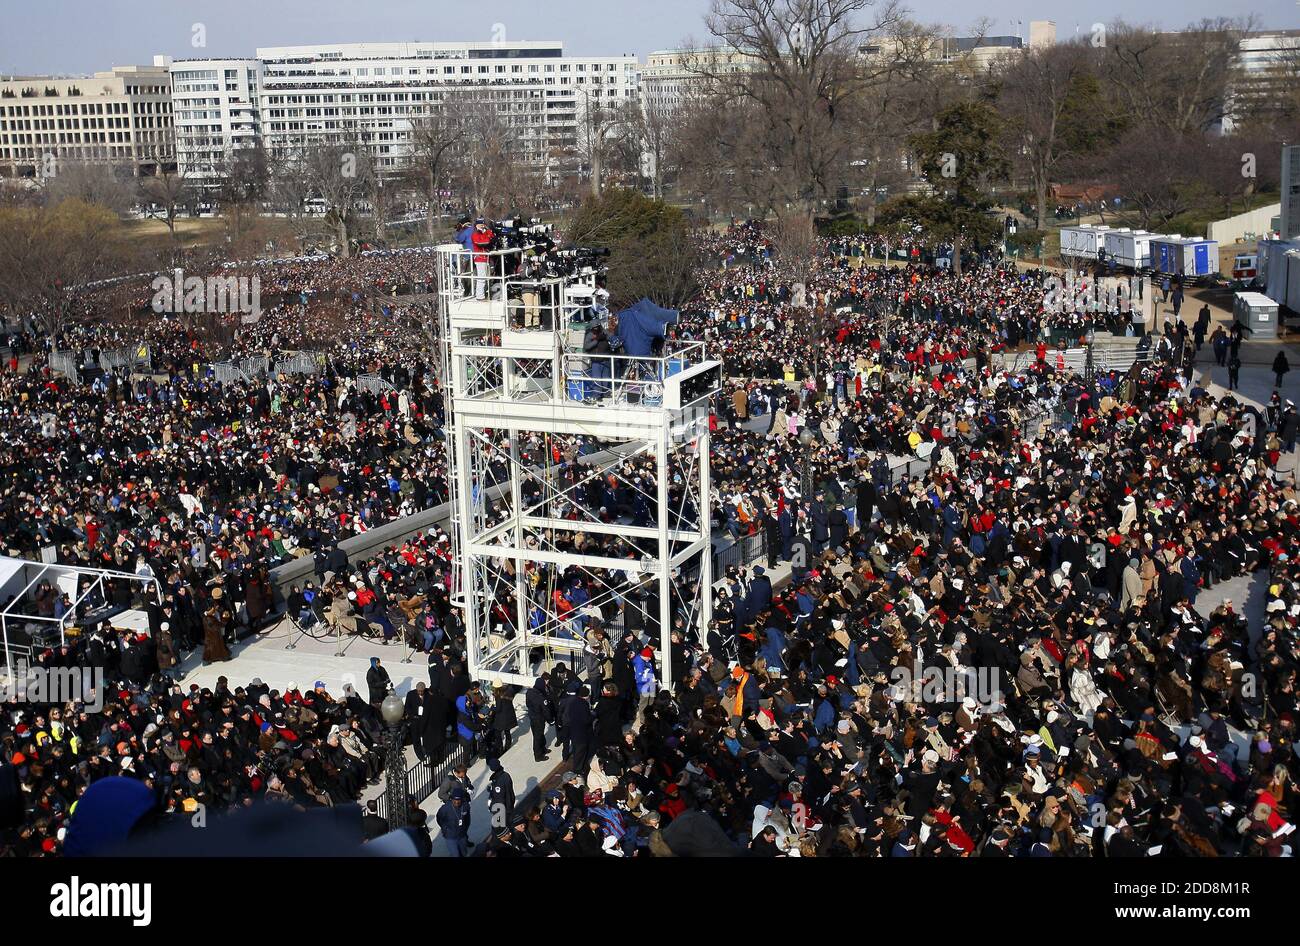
(214, 641)
(1149, 575)
(740, 402)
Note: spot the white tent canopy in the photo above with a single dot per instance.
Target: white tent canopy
(18, 577)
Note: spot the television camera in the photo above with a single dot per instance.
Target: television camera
(516, 234)
(576, 260)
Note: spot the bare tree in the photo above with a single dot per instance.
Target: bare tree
(290, 188)
(45, 249)
(493, 174)
(92, 182)
(780, 121)
(890, 109)
(1178, 82)
(342, 176)
(169, 189)
(1038, 89)
(600, 124)
(651, 130)
(385, 195)
(244, 182)
(438, 133)
(1157, 172)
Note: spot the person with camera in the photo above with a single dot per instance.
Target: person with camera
(481, 241)
(532, 269)
(465, 237)
(469, 718)
(595, 343)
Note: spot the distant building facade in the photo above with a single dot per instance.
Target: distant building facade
(123, 116)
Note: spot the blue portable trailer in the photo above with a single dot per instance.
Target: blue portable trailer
(1189, 257)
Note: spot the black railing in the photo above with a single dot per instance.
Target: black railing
(746, 549)
(424, 777)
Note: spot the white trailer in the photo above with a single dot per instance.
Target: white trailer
(1084, 241)
(1279, 271)
(1127, 248)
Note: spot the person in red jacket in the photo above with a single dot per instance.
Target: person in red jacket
(482, 239)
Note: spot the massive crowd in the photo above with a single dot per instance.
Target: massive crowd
(998, 653)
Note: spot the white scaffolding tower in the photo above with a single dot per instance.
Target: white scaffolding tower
(524, 400)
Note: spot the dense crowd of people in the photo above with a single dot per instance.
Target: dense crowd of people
(999, 652)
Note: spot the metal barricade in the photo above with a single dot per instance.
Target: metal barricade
(255, 366)
(303, 362)
(373, 384)
(64, 362)
(423, 778)
(748, 548)
(111, 359)
(227, 372)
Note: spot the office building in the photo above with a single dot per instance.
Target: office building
(215, 110)
(123, 117)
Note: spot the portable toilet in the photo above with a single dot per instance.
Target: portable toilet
(1070, 242)
(1129, 248)
(1200, 257)
(1166, 254)
(1257, 312)
(1189, 257)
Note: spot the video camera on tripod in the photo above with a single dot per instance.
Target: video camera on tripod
(515, 234)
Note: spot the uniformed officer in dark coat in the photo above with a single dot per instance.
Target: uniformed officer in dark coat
(501, 794)
(540, 712)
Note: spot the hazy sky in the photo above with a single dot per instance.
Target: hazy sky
(80, 36)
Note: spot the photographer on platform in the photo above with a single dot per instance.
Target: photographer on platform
(481, 238)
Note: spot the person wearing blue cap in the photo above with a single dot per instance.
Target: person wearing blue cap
(453, 821)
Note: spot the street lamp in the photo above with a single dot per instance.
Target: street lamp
(1089, 370)
(806, 438)
(392, 710)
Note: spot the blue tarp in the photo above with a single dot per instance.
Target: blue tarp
(640, 324)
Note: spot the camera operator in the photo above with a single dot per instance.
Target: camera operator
(482, 239)
(596, 342)
(465, 237)
(532, 271)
